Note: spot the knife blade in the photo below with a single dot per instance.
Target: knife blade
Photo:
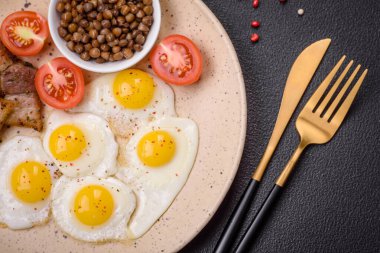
(301, 73)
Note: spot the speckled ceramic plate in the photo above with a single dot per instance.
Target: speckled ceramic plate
(217, 104)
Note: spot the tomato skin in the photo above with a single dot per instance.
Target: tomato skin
(194, 70)
(51, 69)
(37, 43)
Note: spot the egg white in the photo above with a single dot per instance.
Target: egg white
(99, 157)
(13, 212)
(64, 193)
(156, 188)
(99, 100)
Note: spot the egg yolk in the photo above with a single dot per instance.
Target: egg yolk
(133, 88)
(31, 182)
(156, 148)
(67, 143)
(93, 205)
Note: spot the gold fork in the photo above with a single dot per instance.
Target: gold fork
(317, 123)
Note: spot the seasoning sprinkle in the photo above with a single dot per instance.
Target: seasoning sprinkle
(255, 24)
(255, 37)
(255, 4)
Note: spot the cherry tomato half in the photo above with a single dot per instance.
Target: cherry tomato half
(60, 83)
(177, 60)
(24, 33)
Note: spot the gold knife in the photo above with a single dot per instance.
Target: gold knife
(300, 75)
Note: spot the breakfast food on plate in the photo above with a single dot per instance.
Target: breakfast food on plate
(26, 112)
(60, 83)
(6, 58)
(24, 33)
(113, 155)
(160, 158)
(177, 60)
(6, 108)
(26, 176)
(93, 209)
(128, 99)
(80, 144)
(20, 104)
(106, 30)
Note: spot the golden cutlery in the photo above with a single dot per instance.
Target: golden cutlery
(299, 77)
(317, 123)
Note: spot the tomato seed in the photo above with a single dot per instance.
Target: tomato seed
(255, 37)
(255, 24)
(255, 4)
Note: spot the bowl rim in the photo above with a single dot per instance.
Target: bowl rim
(107, 67)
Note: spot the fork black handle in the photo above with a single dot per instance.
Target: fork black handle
(224, 244)
(248, 236)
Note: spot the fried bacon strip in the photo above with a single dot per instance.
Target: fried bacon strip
(20, 104)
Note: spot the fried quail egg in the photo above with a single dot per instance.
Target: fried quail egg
(93, 209)
(128, 99)
(26, 177)
(160, 157)
(80, 144)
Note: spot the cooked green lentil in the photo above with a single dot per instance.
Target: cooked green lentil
(105, 30)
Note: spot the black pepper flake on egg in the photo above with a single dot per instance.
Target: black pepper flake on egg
(107, 30)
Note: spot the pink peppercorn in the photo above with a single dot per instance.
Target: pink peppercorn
(255, 4)
(255, 24)
(255, 37)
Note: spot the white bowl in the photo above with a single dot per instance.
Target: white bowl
(107, 67)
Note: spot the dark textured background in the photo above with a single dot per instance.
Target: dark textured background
(332, 202)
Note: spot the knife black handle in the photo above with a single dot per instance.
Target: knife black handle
(248, 236)
(224, 244)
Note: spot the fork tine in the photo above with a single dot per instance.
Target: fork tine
(313, 101)
(341, 113)
(341, 94)
(326, 100)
